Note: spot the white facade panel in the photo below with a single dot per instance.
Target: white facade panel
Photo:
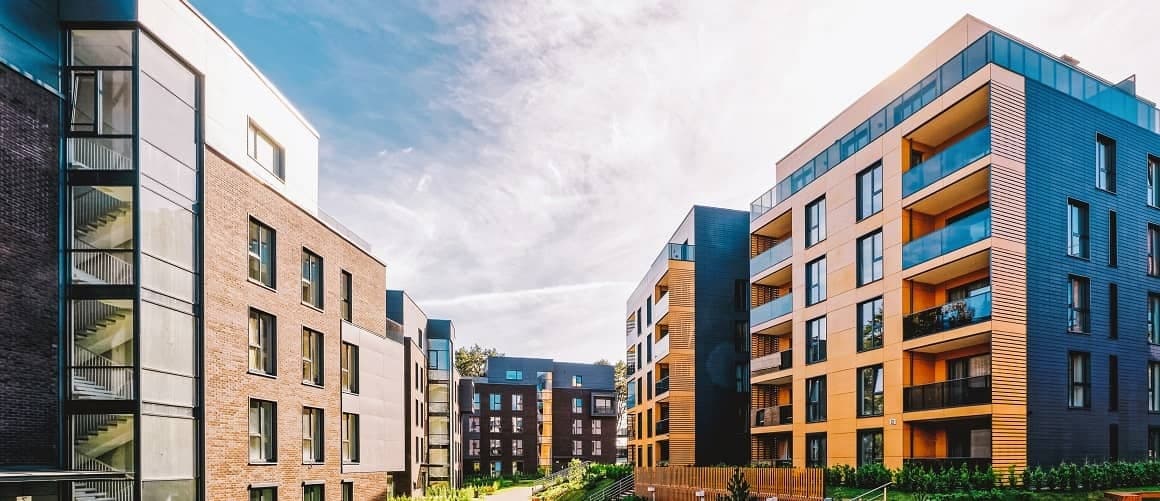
(380, 402)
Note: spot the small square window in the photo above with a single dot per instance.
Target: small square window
(265, 151)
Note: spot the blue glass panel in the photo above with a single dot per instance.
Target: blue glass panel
(951, 73)
(877, 124)
(975, 56)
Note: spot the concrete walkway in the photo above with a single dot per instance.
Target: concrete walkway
(512, 494)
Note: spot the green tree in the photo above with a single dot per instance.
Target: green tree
(620, 382)
(472, 362)
(738, 488)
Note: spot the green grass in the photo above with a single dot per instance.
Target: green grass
(840, 493)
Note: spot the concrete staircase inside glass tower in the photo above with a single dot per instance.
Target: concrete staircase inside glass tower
(103, 442)
(102, 225)
(103, 333)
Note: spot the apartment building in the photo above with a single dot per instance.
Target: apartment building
(944, 270)
(531, 414)
(686, 332)
(176, 274)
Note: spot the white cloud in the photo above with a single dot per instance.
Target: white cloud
(589, 128)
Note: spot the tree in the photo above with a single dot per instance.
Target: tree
(472, 362)
(738, 488)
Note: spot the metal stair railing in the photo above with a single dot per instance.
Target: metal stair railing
(101, 264)
(88, 315)
(85, 153)
(614, 491)
(873, 494)
(114, 378)
(94, 205)
(553, 478)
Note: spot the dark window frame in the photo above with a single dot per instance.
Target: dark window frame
(875, 260)
(869, 185)
(876, 325)
(879, 445)
(1078, 229)
(349, 364)
(1084, 381)
(270, 454)
(313, 286)
(262, 230)
(816, 351)
(818, 460)
(1106, 163)
(815, 218)
(1078, 308)
(346, 295)
(268, 339)
(878, 405)
(816, 281)
(816, 408)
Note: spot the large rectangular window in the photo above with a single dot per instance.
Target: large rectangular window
(870, 324)
(348, 491)
(870, 391)
(494, 424)
(312, 357)
(870, 258)
(262, 246)
(350, 438)
(265, 151)
(1113, 311)
(517, 424)
(869, 447)
(1154, 250)
(1078, 244)
(1079, 372)
(1105, 163)
(816, 450)
(263, 428)
(517, 402)
(1113, 240)
(1078, 304)
(816, 281)
(311, 279)
(517, 449)
(1153, 319)
(816, 399)
(263, 337)
(263, 494)
(511, 375)
(577, 447)
(816, 340)
(314, 492)
(349, 368)
(577, 426)
(1153, 386)
(816, 221)
(1153, 179)
(346, 292)
(312, 434)
(870, 191)
(495, 402)
(578, 404)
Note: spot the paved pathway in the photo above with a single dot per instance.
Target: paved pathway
(512, 494)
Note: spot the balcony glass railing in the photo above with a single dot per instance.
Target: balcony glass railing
(959, 155)
(954, 393)
(662, 386)
(954, 236)
(771, 416)
(774, 255)
(949, 316)
(662, 427)
(675, 252)
(772, 362)
(771, 310)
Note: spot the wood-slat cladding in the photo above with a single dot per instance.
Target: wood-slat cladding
(1008, 275)
(682, 483)
(760, 243)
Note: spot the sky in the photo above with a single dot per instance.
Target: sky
(519, 165)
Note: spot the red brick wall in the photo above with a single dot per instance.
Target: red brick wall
(231, 197)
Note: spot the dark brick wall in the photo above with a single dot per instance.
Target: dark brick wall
(1061, 138)
(562, 435)
(505, 436)
(29, 170)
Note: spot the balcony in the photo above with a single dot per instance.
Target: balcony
(662, 427)
(961, 154)
(661, 348)
(952, 237)
(766, 260)
(945, 394)
(662, 386)
(660, 309)
(771, 363)
(674, 252)
(940, 464)
(771, 310)
(773, 416)
(953, 315)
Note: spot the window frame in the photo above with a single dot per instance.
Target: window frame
(319, 495)
(816, 340)
(517, 402)
(873, 190)
(1153, 250)
(347, 490)
(1105, 163)
(876, 259)
(816, 281)
(1153, 386)
(577, 426)
(315, 341)
(253, 133)
(1078, 308)
(578, 380)
(815, 219)
(577, 405)
(495, 424)
(597, 428)
(1113, 239)
(870, 432)
(270, 426)
(262, 229)
(313, 421)
(513, 375)
(349, 368)
(313, 292)
(877, 325)
(816, 462)
(816, 411)
(1078, 229)
(517, 447)
(1083, 384)
(268, 342)
(1153, 321)
(877, 396)
(259, 493)
(346, 295)
(517, 424)
(350, 437)
(495, 401)
(1153, 192)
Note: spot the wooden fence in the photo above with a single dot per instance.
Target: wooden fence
(681, 483)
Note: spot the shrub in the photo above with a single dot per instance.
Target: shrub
(738, 488)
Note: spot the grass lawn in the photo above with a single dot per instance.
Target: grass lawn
(840, 493)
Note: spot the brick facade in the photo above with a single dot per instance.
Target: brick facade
(29, 202)
(562, 436)
(530, 457)
(231, 197)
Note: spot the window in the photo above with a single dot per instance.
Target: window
(1153, 443)
(496, 468)
(1153, 319)
(596, 448)
(816, 281)
(473, 447)
(816, 450)
(1153, 387)
(1153, 179)
(1079, 375)
(349, 368)
(816, 399)
(517, 402)
(870, 191)
(263, 494)
(517, 424)
(348, 491)
(1114, 311)
(350, 434)
(473, 424)
(870, 324)
(311, 279)
(495, 447)
(816, 340)
(1113, 442)
(1078, 305)
(475, 402)
(265, 151)
(311, 357)
(1113, 240)
(312, 451)
(263, 429)
(1113, 383)
(816, 221)
(1154, 250)
(514, 375)
(495, 424)
(870, 391)
(496, 401)
(648, 304)
(648, 346)
(603, 405)
(577, 447)
(869, 446)
(1105, 163)
(263, 350)
(517, 447)
(577, 426)
(577, 405)
(346, 289)
(1077, 229)
(578, 381)
(870, 258)
(261, 254)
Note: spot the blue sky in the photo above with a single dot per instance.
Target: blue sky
(518, 165)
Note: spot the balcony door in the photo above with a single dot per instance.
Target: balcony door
(969, 367)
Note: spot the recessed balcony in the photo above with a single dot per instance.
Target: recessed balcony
(661, 348)
(773, 310)
(773, 416)
(960, 313)
(661, 386)
(661, 308)
(771, 363)
(955, 235)
(946, 394)
(779, 254)
(966, 151)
